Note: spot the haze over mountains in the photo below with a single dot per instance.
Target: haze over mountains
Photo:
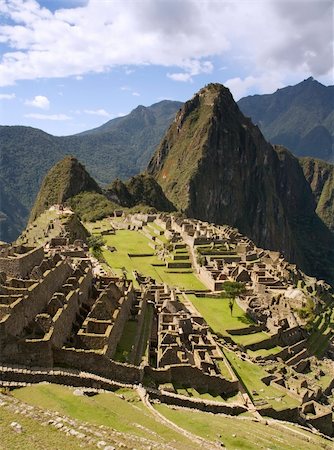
(122, 147)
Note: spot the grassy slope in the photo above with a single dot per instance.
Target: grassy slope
(127, 415)
(238, 434)
(35, 436)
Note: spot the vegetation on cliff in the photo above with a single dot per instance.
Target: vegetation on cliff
(320, 176)
(65, 180)
(141, 189)
(215, 165)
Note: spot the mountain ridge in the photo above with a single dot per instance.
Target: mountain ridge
(300, 117)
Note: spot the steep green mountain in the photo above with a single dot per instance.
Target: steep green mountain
(120, 148)
(214, 164)
(320, 176)
(300, 117)
(63, 181)
(140, 189)
(69, 183)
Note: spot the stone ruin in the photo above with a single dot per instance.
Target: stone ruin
(55, 311)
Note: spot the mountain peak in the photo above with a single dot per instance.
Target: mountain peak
(215, 165)
(64, 180)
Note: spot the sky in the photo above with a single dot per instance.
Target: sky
(71, 65)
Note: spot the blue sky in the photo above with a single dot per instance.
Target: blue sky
(68, 66)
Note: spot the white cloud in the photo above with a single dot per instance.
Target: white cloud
(7, 96)
(97, 112)
(263, 84)
(57, 117)
(39, 101)
(265, 36)
(180, 76)
(136, 94)
(192, 68)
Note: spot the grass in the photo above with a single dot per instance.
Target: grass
(133, 242)
(323, 329)
(265, 351)
(217, 314)
(242, 434)
(126, 342)
(251, 375)
(143, 347)
(127, 415)
(35, 436)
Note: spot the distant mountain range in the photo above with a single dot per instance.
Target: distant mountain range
(120, 148)
(299, 117)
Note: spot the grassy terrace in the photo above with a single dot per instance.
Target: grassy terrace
(239, 434)
(251, 375)
(133, 242)
(323, 328)
(127, 415)
(217, 314)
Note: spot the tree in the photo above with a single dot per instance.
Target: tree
(233, 289)
(95, 243)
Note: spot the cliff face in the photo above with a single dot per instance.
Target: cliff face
(65, 180)
(320, 176)
(215, 165)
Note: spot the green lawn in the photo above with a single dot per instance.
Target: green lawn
(251, 375)
(133, 242)
(127, 415)
(217, 314)
(241, 433)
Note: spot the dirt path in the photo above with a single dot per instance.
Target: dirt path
(162, 419)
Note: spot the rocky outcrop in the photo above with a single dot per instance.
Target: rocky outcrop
(215, 165)
(139, 190)
(65, 180)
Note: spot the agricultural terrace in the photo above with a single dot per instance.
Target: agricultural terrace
(217, 314)
(250, 374)
(132, 252)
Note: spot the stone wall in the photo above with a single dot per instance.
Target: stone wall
(99, 364)
(192, 376)
(288, 414)
(25, 309)
(21, 265)
(199, 404)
